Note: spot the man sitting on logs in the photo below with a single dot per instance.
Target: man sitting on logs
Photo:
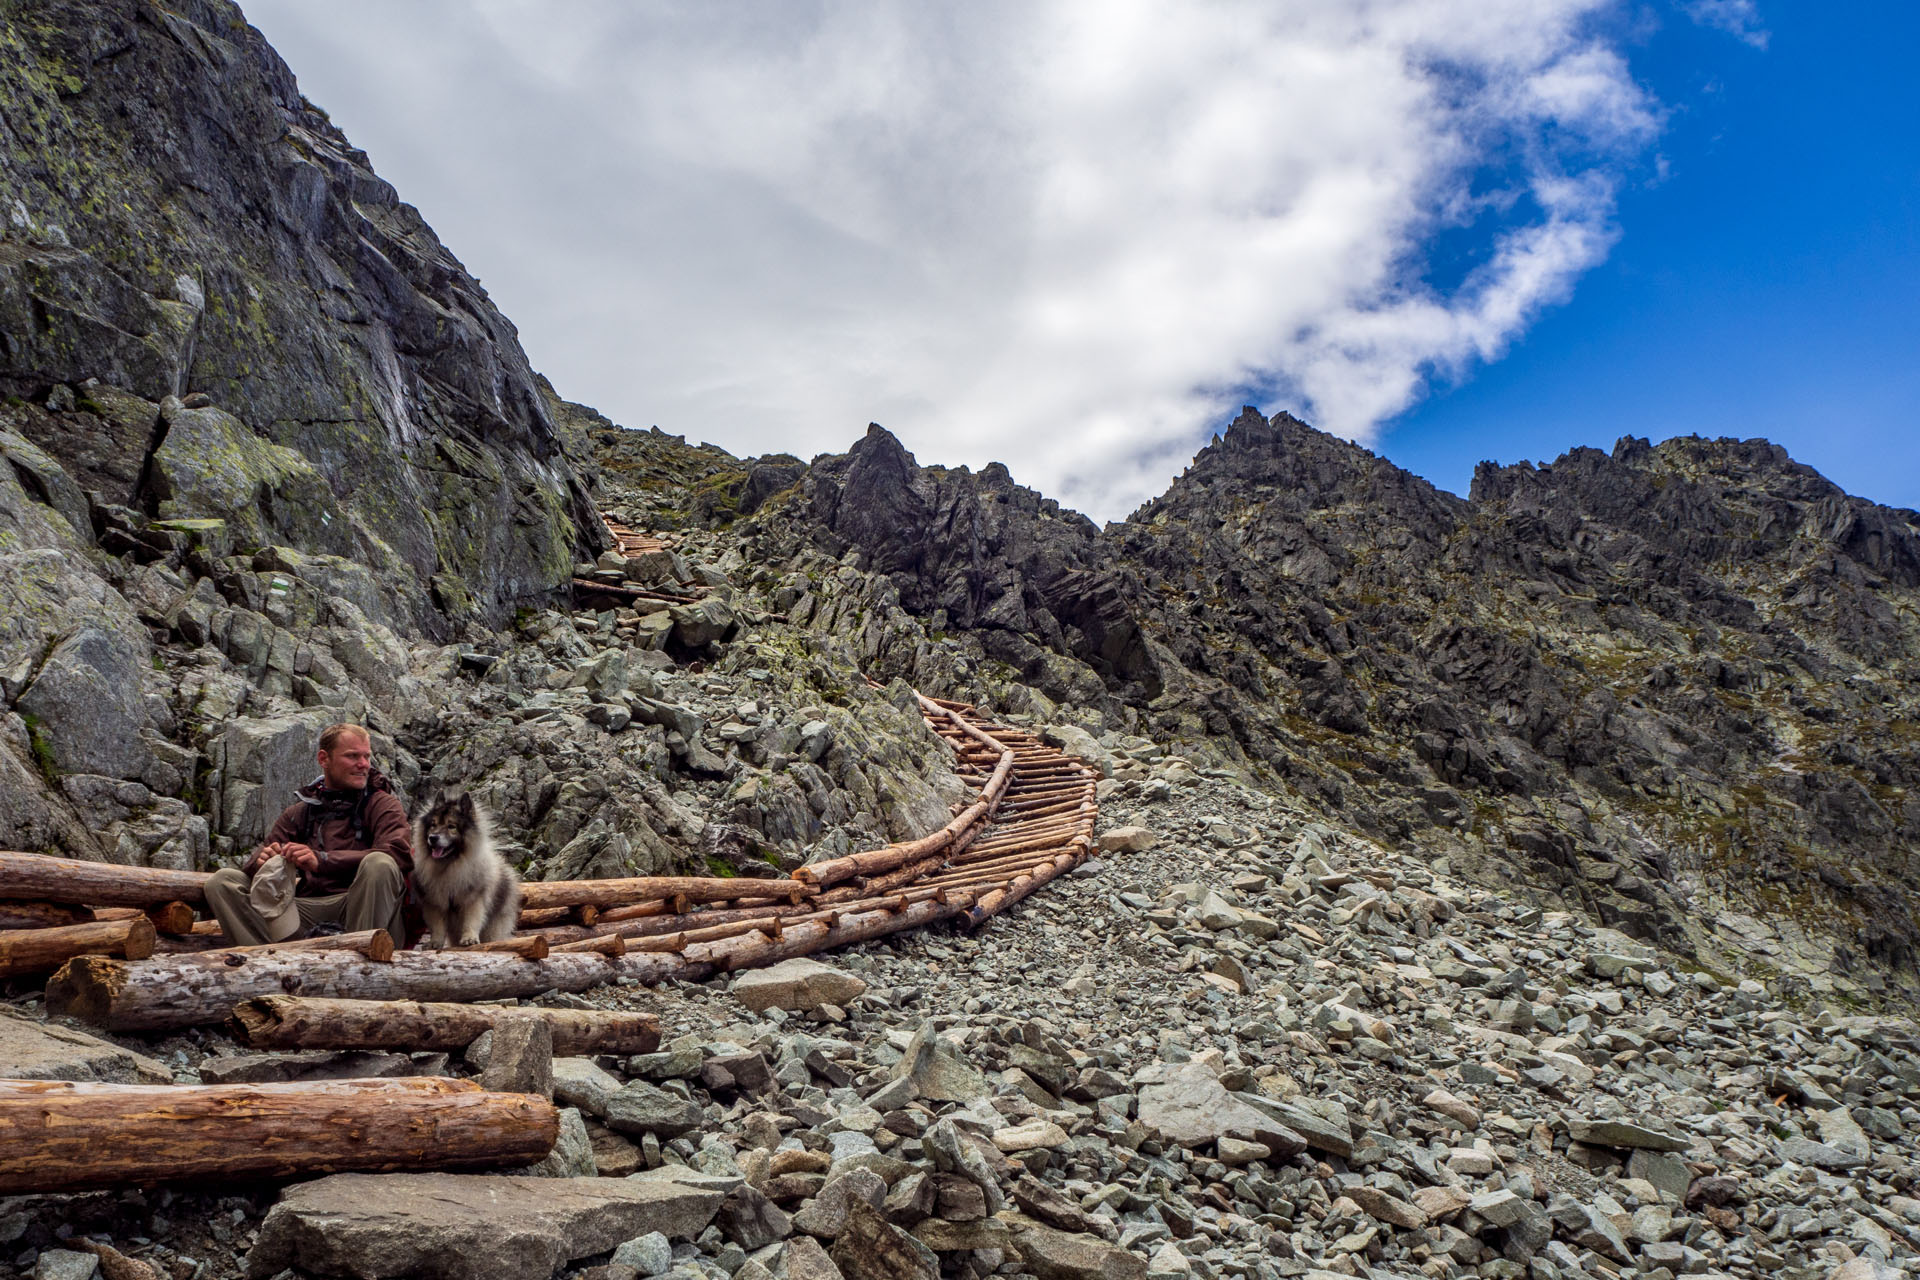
(346, 835)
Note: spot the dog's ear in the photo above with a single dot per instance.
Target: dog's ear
(465, 805)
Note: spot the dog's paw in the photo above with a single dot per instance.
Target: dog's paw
(470, 940)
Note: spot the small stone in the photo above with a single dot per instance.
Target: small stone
(1033, 1135)
(1234, 1152)
(938, 1071)
(65, 1264)
(1452, 1107)
(826, 1214)
(648, 1255)
(1389, 1209)
(1126, 840)
(638, 1107)
(1619, 1133)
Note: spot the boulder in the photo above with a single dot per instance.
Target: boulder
(87, 700)
(32, 1050)
(1127, 840)
(1191, 1108)
(450, 1226)
(1063, 1255)
(938, 1071)
(800, 984)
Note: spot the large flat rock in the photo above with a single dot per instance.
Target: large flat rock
(456, 1226)
(32, 1050)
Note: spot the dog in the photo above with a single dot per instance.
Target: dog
(467, 891)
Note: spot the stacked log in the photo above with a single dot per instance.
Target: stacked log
(292, 1022)
(58, 1136)
(1030, 822)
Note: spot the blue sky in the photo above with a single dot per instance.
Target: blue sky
(1767, 283)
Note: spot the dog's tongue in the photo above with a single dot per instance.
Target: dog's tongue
(439, 853)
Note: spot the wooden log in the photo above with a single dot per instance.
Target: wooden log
(171, 918)
(876, 861)
(166, 993)
(59, 1136)
(375, 944)
(42, 915)
(44, 950)
(611, 944)
(34, 877)
(531, 947)
(291, 1022)
(584, 914)
(991, 904)
(624, 892)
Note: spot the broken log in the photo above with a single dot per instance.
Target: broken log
(44, 950)
(35, 877)
(289, 1022)
(170, 992)
(59, 1136)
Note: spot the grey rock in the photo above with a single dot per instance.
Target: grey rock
(319, 1064)
(88, 699)
(938, 1071)
(1820, 1155)
(1621, 1133)
(751, 1220)
(32, 1050)
(65, 1264)
(572, 1154)
(445, 1226)
(871, 1248)
(1060, 1255)
(638, 1107)
(799, 984)
(648, 1255)
(521, 1058)
(803, 1258)
(826, 1214)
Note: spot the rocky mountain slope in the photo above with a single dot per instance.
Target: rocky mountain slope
(1673, 686)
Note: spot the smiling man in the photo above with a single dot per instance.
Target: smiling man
(344, 847)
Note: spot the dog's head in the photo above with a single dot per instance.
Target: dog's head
(448, 827)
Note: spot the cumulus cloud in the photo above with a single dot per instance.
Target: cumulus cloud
(1070, 235)
(1738, 18)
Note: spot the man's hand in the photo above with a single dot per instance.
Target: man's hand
(300, 856)
(260, 856)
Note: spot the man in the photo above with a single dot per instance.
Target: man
(347, 840)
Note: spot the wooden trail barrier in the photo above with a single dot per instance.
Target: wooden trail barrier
(24, 951)
(170, 992)
(1031, 820)
(292, 1022)
(59, 1136)
(35, 877)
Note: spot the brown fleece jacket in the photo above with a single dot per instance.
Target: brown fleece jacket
(333, 836)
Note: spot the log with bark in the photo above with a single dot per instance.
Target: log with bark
(42, 915)
(58, 1136)
(25, 951)
(536, 895)
(374, 944)
(35, 877)
(170, 992)
(291, 1022)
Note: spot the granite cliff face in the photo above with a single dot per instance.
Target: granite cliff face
(181, 225)
(1673, 685)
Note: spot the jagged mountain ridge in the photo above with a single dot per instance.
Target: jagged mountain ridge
(1670, 683)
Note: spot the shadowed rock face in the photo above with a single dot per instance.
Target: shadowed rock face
(178, 220)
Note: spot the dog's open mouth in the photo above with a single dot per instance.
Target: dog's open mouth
(438, 848)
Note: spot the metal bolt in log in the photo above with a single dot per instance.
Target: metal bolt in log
(59, 1136)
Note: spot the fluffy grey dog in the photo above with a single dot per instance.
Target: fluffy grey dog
(467, 891)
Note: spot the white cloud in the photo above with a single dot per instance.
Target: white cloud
(1067, 235)
(1738, 18)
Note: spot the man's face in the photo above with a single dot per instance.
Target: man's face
(346, 766)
